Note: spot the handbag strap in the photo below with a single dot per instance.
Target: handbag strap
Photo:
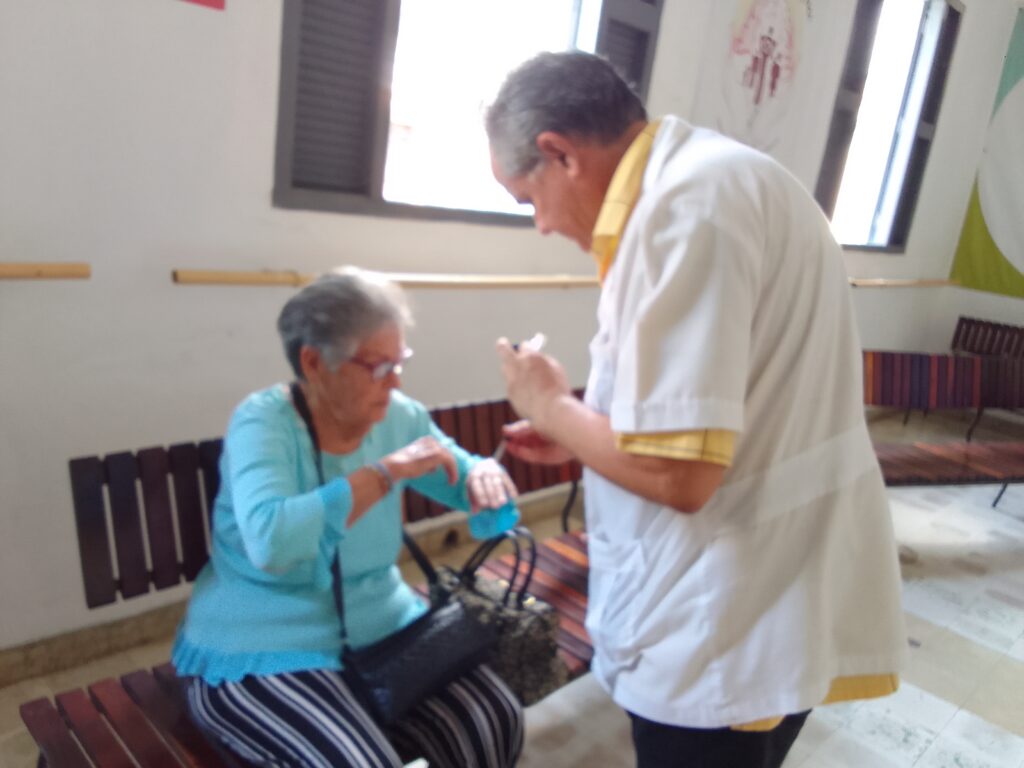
(302, 407)
(299, 400)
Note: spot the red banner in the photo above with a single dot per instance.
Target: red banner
(218, 4)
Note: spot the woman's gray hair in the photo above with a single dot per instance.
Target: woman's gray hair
(336, 312)
(572, 93)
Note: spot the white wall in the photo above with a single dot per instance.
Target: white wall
(139, 136)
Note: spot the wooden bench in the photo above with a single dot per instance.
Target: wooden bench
(983, 337)
(911, 380)
(158, 503)
(955, 463)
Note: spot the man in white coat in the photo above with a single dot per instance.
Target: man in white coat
(742, 562)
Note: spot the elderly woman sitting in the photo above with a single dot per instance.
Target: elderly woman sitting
(259, 647)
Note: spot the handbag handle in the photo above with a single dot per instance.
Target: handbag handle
(467, 574)
(484, 551)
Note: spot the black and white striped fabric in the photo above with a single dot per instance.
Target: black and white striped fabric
(312, 719)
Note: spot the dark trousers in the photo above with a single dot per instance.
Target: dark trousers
(671, 746)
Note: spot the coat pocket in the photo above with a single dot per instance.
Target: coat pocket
(616, 578)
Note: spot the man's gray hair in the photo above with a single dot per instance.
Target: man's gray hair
(336, 312)
(572, 93)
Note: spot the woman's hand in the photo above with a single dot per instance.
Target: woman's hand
(421, 458)
(489, 486)
(526, 443)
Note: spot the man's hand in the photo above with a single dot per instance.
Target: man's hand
(526, 443)
(534, 381)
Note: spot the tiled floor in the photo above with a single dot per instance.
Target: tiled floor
(962, 700)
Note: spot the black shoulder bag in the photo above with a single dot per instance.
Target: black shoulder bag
(394, 674)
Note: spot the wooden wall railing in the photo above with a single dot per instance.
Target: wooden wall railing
(440, 280)
(405, 279)
(45, 271)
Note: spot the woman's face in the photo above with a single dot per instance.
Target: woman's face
(356, 398)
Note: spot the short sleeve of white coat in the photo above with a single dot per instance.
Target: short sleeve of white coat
(684, 330)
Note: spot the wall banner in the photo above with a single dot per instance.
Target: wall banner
(763, 74)
(990, 255)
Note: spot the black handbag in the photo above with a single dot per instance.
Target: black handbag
(392, 675)
(525, 655)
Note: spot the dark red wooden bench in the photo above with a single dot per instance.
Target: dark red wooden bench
(955, 463)
(983, 337)
(158, 502)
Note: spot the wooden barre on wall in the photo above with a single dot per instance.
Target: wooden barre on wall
(887, 282)
(405, 279)
(45, 271)
(438, 280)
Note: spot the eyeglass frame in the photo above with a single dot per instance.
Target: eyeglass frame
(380, 371)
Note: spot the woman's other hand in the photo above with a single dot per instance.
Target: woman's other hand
(421, 458)
(526, 443)
(489, 486)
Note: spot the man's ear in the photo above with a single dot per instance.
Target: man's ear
(559, 149)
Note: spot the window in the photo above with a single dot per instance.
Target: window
(381, 101)
(884, 118)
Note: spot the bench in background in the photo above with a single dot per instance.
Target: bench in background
(955, 463)
(158, 502)
(983, 337)
(911, 380)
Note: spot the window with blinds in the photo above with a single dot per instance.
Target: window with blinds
(884, 119)
(381, 101)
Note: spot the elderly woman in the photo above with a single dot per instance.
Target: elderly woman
(259, 646)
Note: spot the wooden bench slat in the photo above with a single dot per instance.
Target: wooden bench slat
(564, 572)
(960, 463)
(465, 430)
(92, 730)
(56, 744)
(91, 523)
(133, 574)
(132, 725)
(488, 434)
(574, 539)
(164, 705)
(209, 465)
(166, 675)
(183, 461)
(166, 710)
(156, 501)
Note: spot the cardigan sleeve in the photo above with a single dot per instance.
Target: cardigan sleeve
(282, 521)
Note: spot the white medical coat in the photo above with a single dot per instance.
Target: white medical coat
(728, 307)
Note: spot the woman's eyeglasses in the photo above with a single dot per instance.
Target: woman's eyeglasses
(380, 371)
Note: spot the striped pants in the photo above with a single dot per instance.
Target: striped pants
(311, 718)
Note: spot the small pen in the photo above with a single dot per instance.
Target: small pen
(535, 343)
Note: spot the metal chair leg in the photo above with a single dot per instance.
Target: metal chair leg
(977, 418)
(1000, 494)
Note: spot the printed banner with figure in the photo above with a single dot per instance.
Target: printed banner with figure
(990, 256)
(764, 72)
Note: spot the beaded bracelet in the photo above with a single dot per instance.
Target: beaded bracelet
(384, 474)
